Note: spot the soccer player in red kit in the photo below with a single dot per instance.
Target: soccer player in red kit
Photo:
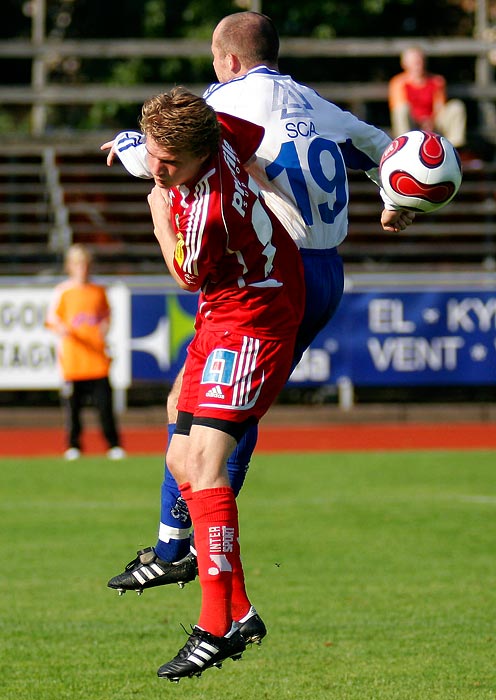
(218, 237)
(303, 172)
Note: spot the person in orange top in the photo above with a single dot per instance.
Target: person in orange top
(80, 315)
(417, 100)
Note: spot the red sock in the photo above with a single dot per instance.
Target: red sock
(240, 603)
(185, 490)
(215, 521)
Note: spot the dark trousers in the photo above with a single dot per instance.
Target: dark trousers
(95, 392)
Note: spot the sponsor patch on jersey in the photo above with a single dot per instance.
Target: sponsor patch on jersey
(219, 367)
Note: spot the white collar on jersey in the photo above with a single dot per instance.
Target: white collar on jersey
(262, 69)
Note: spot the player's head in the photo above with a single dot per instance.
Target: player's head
(181, 132)
(242, 41)
(77, 261)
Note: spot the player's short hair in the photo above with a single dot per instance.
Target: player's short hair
(181, 122)
(251, 36)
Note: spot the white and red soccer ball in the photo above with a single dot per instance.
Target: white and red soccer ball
(421, 171)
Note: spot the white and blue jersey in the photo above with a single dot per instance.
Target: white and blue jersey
(307, 146)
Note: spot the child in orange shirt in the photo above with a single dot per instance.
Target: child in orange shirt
(80, 315)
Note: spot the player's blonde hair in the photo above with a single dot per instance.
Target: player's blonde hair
(181, 122)
(77, 252)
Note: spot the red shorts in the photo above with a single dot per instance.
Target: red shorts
(233, 377)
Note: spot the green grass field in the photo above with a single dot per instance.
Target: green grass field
(374, 572)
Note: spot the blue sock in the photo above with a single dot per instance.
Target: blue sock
(175, 522)
(239, 461)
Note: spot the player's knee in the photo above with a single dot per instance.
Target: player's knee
(172, 408)
(173, 397)
(175, 465)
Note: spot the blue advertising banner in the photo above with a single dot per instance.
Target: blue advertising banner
(438, 338)
(377, 338)
(162, 326)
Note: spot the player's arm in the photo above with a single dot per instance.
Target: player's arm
(277, 200)
(129, 147)
(256, 169)
(364, 146)
(396, 220)
(362, 151)
(169, 243)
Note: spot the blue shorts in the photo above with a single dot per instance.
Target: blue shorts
(324, 284)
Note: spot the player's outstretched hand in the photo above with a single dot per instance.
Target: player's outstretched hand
(111, 154)
(396, 221)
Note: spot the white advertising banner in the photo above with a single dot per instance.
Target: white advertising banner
(28, 350)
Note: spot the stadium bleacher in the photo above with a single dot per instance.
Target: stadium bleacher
(55, 187)
(459, 235)
(25, 213)
(54, 197)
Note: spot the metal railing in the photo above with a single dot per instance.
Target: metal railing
(43, 92)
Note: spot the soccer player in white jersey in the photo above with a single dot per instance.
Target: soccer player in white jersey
(301, 167)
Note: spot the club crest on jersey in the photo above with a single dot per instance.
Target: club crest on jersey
(179, 250)
(219, 367)
(290, 102)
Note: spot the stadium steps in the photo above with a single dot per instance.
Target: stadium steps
(25, 215)
(109, 212)
(462, 233)
(55, 197)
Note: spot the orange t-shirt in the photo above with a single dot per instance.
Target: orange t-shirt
(81, 308)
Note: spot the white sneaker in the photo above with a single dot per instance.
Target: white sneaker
(72, 454)
(116, 453)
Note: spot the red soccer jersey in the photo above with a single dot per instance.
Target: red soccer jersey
(232, 247)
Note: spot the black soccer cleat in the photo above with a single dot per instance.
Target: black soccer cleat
(148, 571)
(253, 629)
(202, 650)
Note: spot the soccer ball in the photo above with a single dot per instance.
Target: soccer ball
(420, 171)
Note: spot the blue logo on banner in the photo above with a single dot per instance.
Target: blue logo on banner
(219, 368)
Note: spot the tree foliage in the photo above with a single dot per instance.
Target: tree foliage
(100, 19)
(196, 18)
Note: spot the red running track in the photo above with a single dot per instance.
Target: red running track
(18, 442)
